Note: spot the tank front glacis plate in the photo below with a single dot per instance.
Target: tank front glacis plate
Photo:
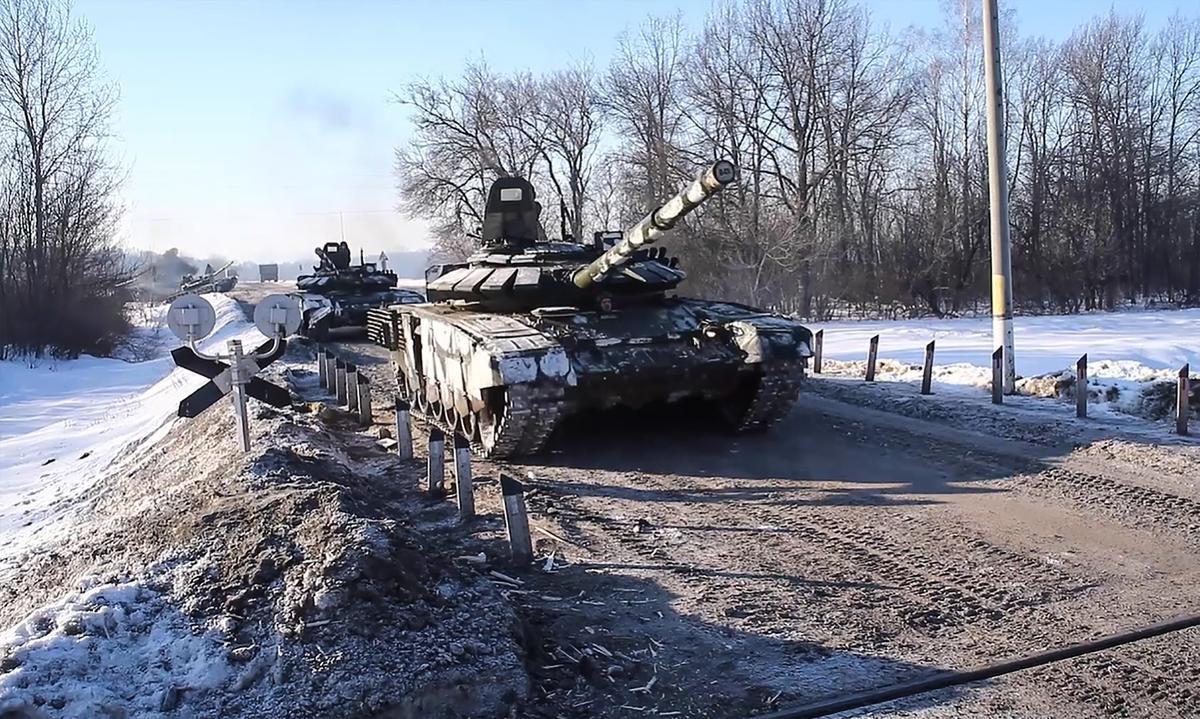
(466, 352)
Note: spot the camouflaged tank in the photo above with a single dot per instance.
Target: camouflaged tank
(528, 331)
(338, 294)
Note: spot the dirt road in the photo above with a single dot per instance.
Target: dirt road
(851, 548)
(859, 543)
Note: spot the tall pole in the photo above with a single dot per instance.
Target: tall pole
(1002, 291)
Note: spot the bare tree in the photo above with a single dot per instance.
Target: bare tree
(59, 259)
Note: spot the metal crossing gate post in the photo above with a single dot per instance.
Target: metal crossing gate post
(239, 379)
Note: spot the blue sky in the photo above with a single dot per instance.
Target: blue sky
(247, 127)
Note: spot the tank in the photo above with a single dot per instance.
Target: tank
(338, 294)
(208, 281)
(527, 332)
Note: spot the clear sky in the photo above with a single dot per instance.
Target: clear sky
(247, 126)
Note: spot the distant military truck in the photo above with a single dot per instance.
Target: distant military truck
(268, 273)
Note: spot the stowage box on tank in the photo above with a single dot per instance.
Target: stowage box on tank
(528, 331)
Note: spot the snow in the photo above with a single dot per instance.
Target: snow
(64, 425)
(1127, 353)
(1154, 339)
(115, 646)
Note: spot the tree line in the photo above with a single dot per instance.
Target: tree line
(60, 265)
(862, 152)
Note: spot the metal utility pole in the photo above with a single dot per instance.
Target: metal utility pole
(1002, 291)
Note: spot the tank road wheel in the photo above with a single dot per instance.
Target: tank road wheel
(470, 425)
(450, 416)
(488, 419)
(419, 403)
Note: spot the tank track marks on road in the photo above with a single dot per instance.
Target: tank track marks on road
(778, 385)
(1131, 681)
(925, 593)
(1141, 506)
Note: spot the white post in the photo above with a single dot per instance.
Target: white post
(365, 415)
(351, 387)
(1002, 290)
(463, 486)
(239, 380)
(436, 467)
(404, 440)
(516, 520)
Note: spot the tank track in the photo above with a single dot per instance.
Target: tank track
(531, 414)
(778, 385)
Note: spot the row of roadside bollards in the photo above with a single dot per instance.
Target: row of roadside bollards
(1081, 378)
(516, 519)
(343, 380)
(352, 390)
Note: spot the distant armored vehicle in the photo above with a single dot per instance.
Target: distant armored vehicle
(528, 331)
(219, 280)
(338, 294)
(268, 273)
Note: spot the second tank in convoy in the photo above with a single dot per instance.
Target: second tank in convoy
(338, 294)
(527, 331)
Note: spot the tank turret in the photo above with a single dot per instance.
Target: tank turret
(518, 269)
(660, 220)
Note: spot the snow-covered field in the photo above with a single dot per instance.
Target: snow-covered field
(1127, 351)
(65, 424)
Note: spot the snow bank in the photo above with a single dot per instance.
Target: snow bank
(1133, 357)
(65, 424)
(108, 649)
(1155, 339)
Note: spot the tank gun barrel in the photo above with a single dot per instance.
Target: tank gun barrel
(662, 219)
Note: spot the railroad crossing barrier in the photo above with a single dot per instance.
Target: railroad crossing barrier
(516, 520)
(435, 475)
(404, 439)
(191, 318)
(463, 485)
